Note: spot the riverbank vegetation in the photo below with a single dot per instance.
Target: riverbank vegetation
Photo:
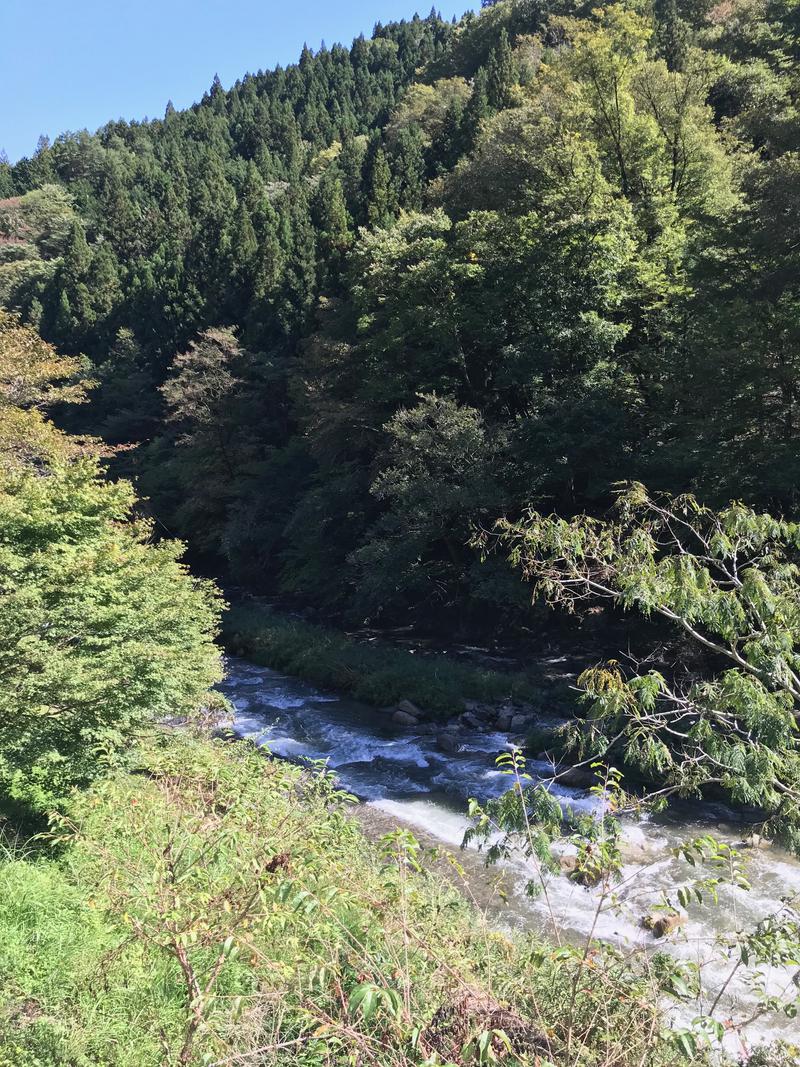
(212, 906)
(101, 630)
(192, 902)
(220, 908)
(328, 325)
(728, 582)
(374, 670)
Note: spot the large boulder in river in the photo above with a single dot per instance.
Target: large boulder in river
(411, 709)
(404, 718)
(756, 841)
(520, 722)
(448, 742)
(576, 777)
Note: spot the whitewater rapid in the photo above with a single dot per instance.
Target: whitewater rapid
(402, 776)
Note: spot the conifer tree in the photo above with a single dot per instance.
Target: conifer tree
(409, 167)
(74, 308)
(500, 73)
(381, 200)
(452, 138)
(6, 180)
(673, 33)
(477, 107)
(333, 222)
(351, 166)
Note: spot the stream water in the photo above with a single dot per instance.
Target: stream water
(403, 777)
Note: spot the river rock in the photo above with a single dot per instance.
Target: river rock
(411, 709)
(448, 743)
(756, 841)
(581, 876)
(664, 923)
(576, 777)
(404, 718)
(470, 719)
(429, 728)
(568, 864)
(479, 711)
(520, 722)
(503, 720)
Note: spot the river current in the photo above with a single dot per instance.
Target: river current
(403, 778)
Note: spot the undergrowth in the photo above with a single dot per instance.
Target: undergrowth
(222, 908)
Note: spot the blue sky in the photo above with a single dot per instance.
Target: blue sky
(75, 64)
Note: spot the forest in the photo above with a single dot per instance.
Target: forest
(426, 335)
(351, 311)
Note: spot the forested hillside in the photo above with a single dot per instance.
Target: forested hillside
(353, 309)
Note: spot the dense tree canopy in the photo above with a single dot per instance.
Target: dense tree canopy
(555, 239)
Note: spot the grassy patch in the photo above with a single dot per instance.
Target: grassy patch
(222, 908)
(375, 672)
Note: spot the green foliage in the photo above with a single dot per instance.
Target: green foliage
(101, 631)
(352, 310)
(223, 906)
(435, 479)
(728, 581)
(573, 224)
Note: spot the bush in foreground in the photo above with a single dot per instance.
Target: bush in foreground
(728, 582)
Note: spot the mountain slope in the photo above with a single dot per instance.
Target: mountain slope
(354, 308)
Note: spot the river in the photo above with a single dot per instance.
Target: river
(402, 777)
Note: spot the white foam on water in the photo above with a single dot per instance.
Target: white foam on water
(361, 748)
(290, 746)
(445, 825)
(253, 727)
(489, 744)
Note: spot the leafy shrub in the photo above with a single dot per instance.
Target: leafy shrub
(100, 630)
(229, 899)
(727, 580)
